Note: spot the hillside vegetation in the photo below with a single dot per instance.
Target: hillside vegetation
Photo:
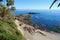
(8, 29)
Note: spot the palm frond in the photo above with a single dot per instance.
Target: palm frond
(52, 4)
(58, 4)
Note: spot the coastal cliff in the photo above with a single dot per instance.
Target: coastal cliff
(32, 31)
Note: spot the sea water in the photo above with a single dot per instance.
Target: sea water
(47, 18)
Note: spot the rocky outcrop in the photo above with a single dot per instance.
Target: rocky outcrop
(26, 19)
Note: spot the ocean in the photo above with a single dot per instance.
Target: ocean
(47, 18)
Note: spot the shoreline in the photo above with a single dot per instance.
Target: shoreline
(35, 32)
(26, 19)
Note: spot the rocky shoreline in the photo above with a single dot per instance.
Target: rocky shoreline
(33, 31)
(26, 19)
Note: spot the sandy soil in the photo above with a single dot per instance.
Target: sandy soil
(38, 34)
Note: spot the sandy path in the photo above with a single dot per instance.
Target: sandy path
(36, 35)
(19, 27)
(24, 33)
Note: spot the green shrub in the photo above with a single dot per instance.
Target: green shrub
(6, 28)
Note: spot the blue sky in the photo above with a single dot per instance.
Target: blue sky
(35, 4)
